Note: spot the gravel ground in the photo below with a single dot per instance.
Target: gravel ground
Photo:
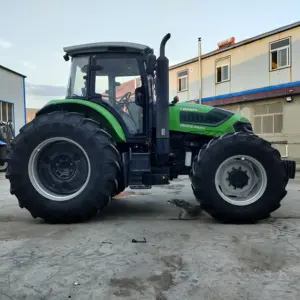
(181, 259)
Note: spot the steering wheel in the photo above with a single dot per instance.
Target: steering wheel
(126, 116)
(124, 99)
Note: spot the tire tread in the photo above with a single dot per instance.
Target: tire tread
(108, 159)
(202, 162)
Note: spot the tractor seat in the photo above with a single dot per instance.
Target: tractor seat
(135, 113)
(132, 128)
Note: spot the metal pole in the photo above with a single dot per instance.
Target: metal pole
(200, 70)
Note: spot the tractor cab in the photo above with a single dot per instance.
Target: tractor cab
(116, 84)
(116, 76)
(121, 77)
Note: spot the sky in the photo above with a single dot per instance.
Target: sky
(34, 32)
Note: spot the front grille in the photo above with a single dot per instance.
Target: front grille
(243, 126)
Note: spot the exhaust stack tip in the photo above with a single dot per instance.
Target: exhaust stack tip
(163, 44)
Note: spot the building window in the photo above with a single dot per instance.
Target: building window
(6, 112)
(9, 112)
(183, 81)
(223, 69)
(222, 73)
(280, 53)
(268, 118)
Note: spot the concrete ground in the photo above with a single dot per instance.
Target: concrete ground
(181, 259)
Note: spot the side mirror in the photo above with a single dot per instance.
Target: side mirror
(139, 97)
(175, 100)
(66, 57)
(151, 64)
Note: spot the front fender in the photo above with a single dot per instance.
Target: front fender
(86, 107)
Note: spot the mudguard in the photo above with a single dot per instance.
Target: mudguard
(108, 120)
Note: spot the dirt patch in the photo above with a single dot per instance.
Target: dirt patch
(163, 281)
(129, 193)
(185, 236)
(261, 258)
(188, 210)
(173, 261)
(122, 293)
(160, 296)
(124, 286)
(172, 186)
(175, 192)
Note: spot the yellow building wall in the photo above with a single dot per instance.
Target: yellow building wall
(291, 123)
(249, 69)
(193, 82)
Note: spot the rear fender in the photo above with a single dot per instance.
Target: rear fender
(90, 110)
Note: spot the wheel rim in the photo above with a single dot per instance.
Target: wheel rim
(241, 180)
(3, 166)
(59, 169)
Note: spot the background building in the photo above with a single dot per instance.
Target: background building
(12, 98)
(30, 114)
(258, 77)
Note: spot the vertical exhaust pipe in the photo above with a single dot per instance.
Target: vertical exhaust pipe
(162, 104)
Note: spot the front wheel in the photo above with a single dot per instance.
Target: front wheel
(63, 167)
(239, 178)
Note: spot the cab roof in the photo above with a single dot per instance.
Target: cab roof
(107, 47)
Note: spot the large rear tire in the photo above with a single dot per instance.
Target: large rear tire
(63, 167)
(239, 178)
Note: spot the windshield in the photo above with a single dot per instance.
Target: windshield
(77, 81)
(113, 80)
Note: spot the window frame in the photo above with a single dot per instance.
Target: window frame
(273, 117)
(1, 111)
(221, 66)
(289, 54)
(183, 76)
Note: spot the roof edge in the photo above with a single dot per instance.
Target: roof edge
(103, 46)
(12, 71)
(239, 44)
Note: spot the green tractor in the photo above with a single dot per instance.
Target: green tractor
(116, 129)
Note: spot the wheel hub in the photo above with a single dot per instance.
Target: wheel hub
(240, 180)
(64, 167)
(237, 178)
(59, 168)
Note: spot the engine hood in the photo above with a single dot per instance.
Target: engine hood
(203, 119)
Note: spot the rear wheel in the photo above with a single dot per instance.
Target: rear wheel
(63, 167)
(239, 178)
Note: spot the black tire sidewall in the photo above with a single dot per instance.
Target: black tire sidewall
(214, 156)
(95, 149)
